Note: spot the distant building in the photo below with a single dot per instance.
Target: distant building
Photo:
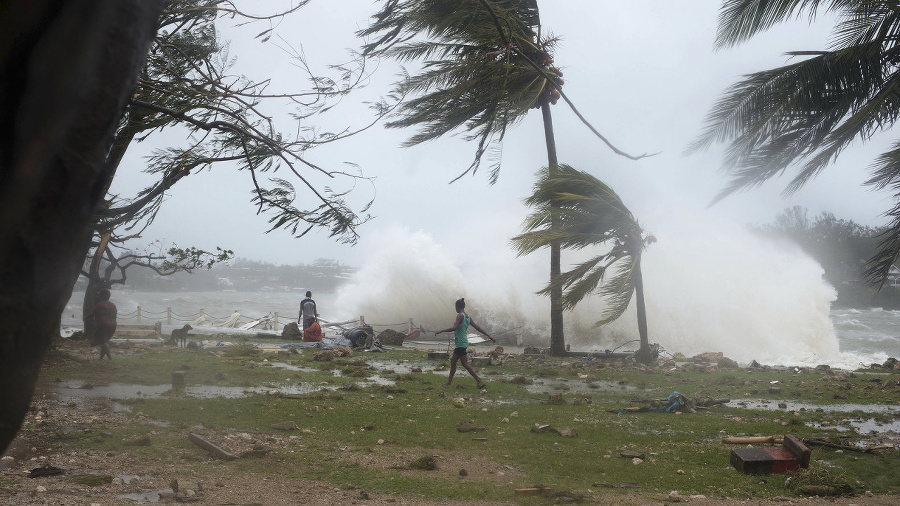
(893, 277)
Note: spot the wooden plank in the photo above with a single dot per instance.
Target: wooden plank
(751, 460)
(210, 447)
(795, 446)
(783, 460)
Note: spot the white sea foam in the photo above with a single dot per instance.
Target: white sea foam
(710, 286)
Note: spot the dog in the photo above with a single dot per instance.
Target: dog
(179, 336)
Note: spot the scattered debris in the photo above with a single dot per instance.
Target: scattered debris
(562, 431)
(210, 447)
(343, 351)
(532, 491)
(674, 403)
(45, 470)
(778, 459)
(621, 484)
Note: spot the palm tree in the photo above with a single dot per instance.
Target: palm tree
(585, 212)
(802, 115)
(486, 65)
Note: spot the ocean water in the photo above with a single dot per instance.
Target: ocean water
(862, 336)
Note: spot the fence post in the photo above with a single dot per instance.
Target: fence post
(168, 315)
(362, 321)
(409, 327)
(139, 315)
(275, 325)
(519, 337)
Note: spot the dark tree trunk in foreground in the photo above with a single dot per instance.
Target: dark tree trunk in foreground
(557, 336)
(67, 72)
(644, 354)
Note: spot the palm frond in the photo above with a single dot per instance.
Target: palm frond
(577, 210)
(739, 20)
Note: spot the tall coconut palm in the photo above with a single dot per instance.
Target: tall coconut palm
(486, 65)
(585, 213)
(802, 115)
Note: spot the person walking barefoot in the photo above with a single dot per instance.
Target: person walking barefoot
(460, 354)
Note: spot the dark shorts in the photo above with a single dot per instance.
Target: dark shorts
(308, 321)
(459, 351)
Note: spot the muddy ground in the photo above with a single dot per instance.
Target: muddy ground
(50, 423)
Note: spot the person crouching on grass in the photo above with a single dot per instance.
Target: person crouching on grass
(459, 329)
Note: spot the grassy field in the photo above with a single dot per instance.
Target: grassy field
(382, 422)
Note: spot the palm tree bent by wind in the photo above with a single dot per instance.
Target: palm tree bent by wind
(579, 211)
(801, 116)
(485, 65)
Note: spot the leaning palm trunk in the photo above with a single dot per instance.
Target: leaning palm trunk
(576, 210)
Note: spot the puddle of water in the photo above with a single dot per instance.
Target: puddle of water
(860, 424)
(71, 391)
(127, 478)
(142, 497)
(553, 386)
(801, 406)
(290, 367)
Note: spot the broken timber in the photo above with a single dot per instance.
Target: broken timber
(777, 459)
(210, 447)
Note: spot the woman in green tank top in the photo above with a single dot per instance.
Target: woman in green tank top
(459, 329)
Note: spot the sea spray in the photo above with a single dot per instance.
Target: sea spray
(710, 285)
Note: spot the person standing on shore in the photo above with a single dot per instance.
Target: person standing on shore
(104, 319)
(308, 312)
(459, 328)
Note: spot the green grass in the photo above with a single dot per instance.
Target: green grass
(417, 418)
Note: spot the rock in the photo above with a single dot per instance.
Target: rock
(631, 454)
(391, 338)
(710, 356)
(292, 332)
(40, 489)
(674, 496)
(479, 361)
(637, 462)
(567, 431)
(727, 363)
(463, 473)
(774, 390)
(182, 485)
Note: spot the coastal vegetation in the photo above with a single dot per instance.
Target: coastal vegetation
(843, 248)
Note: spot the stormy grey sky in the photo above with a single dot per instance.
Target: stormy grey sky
(644, 73)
